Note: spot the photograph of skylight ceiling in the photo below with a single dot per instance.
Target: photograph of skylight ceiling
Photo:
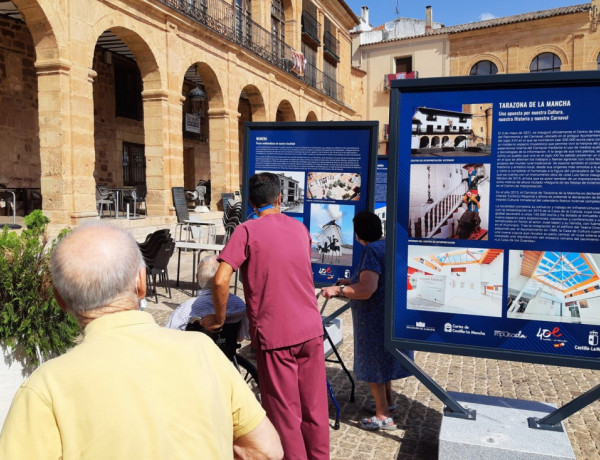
(554, 286)
(461, 280)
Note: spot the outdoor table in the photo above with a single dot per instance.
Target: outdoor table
(211, 228)
(119, 197)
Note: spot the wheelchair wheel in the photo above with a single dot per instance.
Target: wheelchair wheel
(249, 373)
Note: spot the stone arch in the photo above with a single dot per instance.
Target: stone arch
(460, 142)
(46, 33)
(146, 57)
(257, 102)
(546, 49)
(594, 55)
(484, 57)
(424, 142)
(285, 111)
(435, 141)
(147, 133)
(251, 108)
(311, 116)
(218, 159)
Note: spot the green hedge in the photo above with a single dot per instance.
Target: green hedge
(29, 314)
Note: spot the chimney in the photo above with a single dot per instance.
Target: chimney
(428, 19)
(364, 15)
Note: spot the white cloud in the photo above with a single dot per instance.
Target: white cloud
(486, 16)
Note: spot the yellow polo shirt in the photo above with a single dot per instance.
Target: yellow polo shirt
(131, 390)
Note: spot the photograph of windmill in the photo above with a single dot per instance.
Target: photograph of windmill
(332, 233)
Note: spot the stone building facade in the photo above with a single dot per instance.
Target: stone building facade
(97, 92)
(558, 39)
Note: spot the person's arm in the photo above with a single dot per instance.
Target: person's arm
(262, 442)
(364, 289)
(220, 295)
(30, 429)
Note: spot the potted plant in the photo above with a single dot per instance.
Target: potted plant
(32, 326)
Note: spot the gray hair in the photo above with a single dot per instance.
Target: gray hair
(94, 265)
(207, 269)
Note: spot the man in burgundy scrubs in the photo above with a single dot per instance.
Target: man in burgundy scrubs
(273, 255)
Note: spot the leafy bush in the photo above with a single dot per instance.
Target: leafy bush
(29, 314)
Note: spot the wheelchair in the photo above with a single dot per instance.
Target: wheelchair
(226, 340)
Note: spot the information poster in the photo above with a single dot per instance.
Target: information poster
(381, 190)
(496, 217)
(327, 173)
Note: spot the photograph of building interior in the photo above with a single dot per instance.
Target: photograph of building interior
(449, 201)
(554, 286)
(460, 280)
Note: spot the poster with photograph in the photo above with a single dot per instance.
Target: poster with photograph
(327, 175)
(494, 214)
(381, 191)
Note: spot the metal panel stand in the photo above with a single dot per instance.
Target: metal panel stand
(452, 407)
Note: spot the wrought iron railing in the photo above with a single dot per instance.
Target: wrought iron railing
(324, 83)
(311, 27)
(231, 23)
(331, 45)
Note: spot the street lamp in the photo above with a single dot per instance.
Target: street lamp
(194, 119)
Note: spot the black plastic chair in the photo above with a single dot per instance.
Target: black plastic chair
(150, 252)
(152, 237)
(183, 215)
(158, 267)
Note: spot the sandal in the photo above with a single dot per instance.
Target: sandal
(374, 424)
(392, 409)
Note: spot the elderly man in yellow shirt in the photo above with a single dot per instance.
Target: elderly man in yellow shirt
(130, 389)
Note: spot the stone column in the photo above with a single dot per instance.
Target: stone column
(162, 164)
(512, 60)
(577, 56)
(224, 160)
(66, 110)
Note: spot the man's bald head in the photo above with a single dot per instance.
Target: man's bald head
(94, 265)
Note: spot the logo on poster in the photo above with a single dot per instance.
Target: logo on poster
(547, 334)
(510, 335)
(551, 335)
(326, 272)
(593, 338)
(421, 326)
(460, 329)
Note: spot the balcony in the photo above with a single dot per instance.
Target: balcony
(387, 79)
(311, 30)
(331, 47)
(230, 23)
(324, 83)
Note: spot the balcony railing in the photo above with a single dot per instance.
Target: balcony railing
(234, 25)
(311, 28)
(324, 83)
(331, 46)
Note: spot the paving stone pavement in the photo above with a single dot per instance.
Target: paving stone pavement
(420, 411)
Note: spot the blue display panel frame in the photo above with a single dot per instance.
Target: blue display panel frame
(517, 280)
(327, 170)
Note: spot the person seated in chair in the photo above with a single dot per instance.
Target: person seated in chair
(202, 305)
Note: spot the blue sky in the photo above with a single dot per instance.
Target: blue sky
(452, 12)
